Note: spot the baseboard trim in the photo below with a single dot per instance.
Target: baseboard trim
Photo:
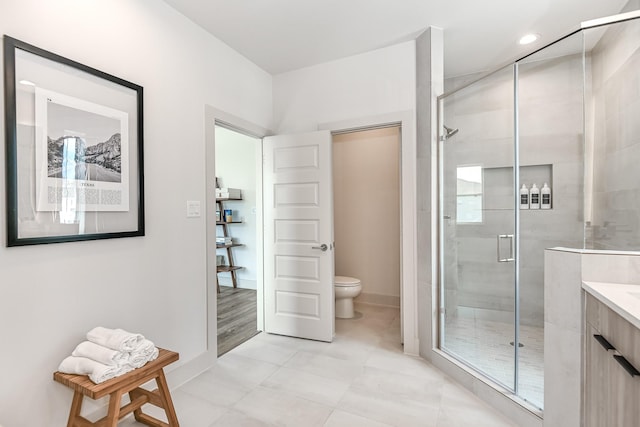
(378, 299)
(191, 369)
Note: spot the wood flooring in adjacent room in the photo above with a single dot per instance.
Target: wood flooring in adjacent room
(236, 317)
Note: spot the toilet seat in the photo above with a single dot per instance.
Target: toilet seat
(345, 281)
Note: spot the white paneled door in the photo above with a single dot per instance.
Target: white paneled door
(298, 236)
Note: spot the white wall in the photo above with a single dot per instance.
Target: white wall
(373, 83)
(236, 168)
(50, 295)
(366, 206)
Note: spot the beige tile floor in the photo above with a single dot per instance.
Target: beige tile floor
(362, 378)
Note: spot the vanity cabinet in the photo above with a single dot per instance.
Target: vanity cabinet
(611, 392)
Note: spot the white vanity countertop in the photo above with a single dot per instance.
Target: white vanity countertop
(622, 299)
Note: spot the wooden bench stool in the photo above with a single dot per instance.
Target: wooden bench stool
(117, 387)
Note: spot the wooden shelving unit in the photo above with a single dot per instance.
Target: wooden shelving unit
(231, 267)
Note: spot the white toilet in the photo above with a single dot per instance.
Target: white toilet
(346, 288)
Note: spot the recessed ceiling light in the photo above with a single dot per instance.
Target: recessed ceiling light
(27, 83)
(529, 38)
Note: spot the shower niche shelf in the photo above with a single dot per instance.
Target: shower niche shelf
(498, 184)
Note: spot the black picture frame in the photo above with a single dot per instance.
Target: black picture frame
(66, 180)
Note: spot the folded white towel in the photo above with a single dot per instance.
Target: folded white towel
(144, 352)
(115, 339)
(144, 348)
(97, 372)
(100, 353)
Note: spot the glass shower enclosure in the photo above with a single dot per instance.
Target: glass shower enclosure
(545, 121)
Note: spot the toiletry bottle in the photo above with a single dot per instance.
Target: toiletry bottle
(545, 197)
(524, 197)
(534, 195)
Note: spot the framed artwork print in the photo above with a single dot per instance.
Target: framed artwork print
(74, 150)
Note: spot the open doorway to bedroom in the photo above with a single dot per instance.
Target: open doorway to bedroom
(237, 199)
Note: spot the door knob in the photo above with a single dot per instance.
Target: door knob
(323, 247)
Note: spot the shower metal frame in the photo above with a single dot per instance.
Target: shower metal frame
(442, 139)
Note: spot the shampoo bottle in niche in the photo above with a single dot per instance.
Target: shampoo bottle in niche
(534, 196)
(524, 197)
(545, 197)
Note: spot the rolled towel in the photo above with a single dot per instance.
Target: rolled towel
(97, 372)
(144, 348)
(144, 352)
(115, 339)
(100, 353)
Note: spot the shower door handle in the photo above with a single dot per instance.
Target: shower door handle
(502, 237)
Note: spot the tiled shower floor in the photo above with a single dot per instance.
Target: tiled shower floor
(486, 346)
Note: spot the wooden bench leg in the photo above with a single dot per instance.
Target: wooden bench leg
(163, 388)
(113, 414)
(137, 412)
(76, 406)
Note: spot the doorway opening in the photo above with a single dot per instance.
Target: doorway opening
(367, 213)
(409, 158)
(405, 123)
(237, 240)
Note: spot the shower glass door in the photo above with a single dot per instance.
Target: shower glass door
(478, 271)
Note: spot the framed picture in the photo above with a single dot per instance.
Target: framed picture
(74, 150)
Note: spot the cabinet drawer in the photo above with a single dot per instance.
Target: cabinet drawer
(626, 338)
(623, 335)
(611, 394)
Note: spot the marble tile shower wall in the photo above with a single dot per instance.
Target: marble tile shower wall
(551, 150)
(615, 220)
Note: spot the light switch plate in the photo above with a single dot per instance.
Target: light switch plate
(193, 208)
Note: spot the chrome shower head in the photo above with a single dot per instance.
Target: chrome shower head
(449, 132)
